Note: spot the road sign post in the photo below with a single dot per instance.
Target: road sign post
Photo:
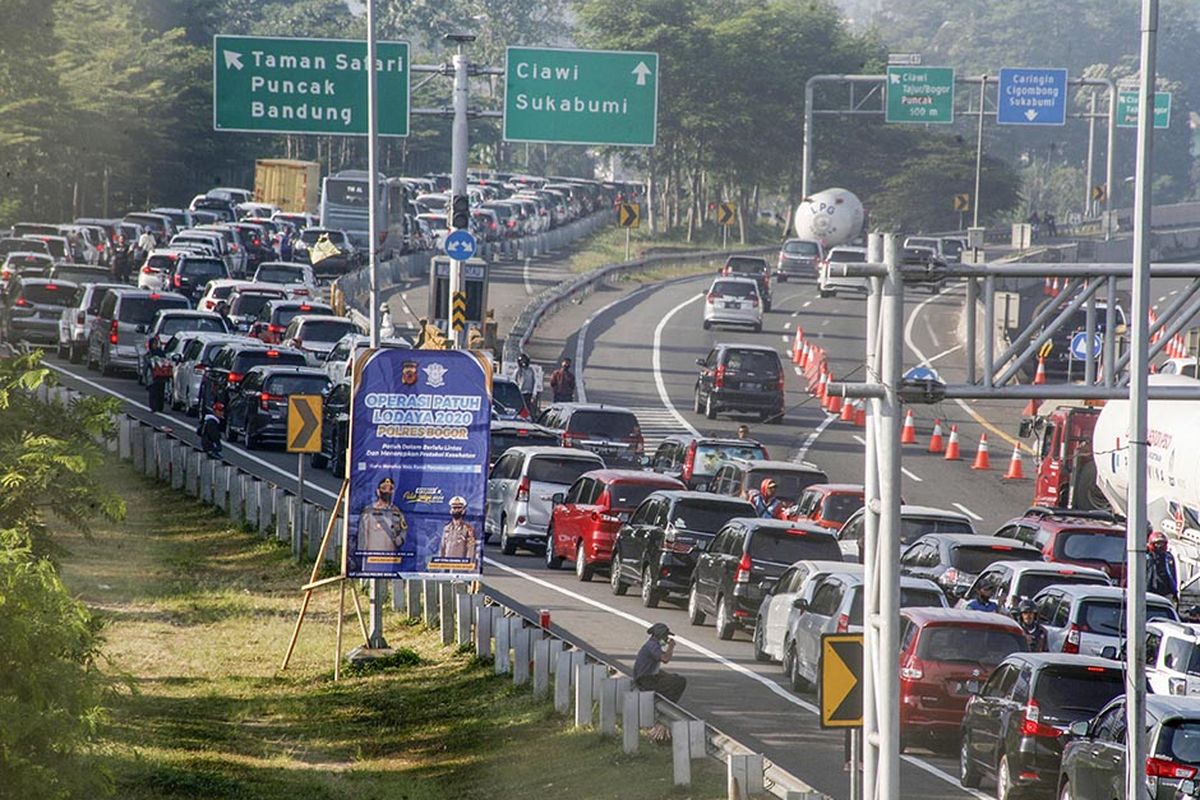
(1030, 96)
(303, 437)
(267, 84)
(629, 216)
(920, 94)
(593, 97)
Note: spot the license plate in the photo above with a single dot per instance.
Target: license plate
(733, 305)
(752, 387)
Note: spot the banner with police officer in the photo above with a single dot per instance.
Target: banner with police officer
(419, 431)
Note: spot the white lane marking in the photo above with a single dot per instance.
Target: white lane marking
(912, 475)
(657, 363)
(581, 343)
(1161, 299)
(1173, 292)
(795, 313)
(944, 353)
(824, 322)
(225, 445)
(807, 303)
(525, 276)
(812, 437)
(968, 512)
(787, 326)
(769, 684)
(932, 334)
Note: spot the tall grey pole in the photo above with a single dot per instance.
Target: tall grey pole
(1135, 532)
(1091, 152)
(378, 585)
(806, 135)
(983, 82)
(459, 149)
(870, 739)
(1109, 158)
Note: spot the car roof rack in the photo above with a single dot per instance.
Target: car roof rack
(1055, 511)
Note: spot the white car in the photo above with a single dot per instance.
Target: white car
(315, 335)
(217, 290)
(520, 492)
(1173, 657)
(340, 360)
(298, 279)
(829, 282)
(733, 301)
(915, 522)
(194, 360)
(796, 582)
(155, 271)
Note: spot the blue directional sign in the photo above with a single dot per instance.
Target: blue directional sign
(460, 245)
(1032, 96)
(922, 374)
(1079, 348)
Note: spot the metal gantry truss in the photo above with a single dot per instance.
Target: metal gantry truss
(888, 391)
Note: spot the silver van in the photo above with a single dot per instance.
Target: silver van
(521, 489)
(119, 334)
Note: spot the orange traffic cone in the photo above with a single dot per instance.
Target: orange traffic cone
(908, 434)
(860, 413)
(1039, 377)
(847, 411)
(1046, 290)
(1155, 335)
(803, 362)
(1054, 287)
(952, 453)
(821, 383)
(1015, 471)
(834, 402)
(981, 455)
(1031, 408)
(935, 439)
(797, 345)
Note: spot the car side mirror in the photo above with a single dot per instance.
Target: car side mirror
(1026, 429)
(1079, 728)
(700, 362)
(557, 498)
(143, 328)
(800, 604)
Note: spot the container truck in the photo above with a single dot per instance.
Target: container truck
(293, 186)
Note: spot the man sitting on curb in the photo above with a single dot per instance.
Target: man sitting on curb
(648, 674)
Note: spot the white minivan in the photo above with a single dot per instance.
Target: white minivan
(521, 489)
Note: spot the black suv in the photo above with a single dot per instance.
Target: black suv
(1013, 729)
(741, 477)
(230, 365)
(740, 377)
(191, 274)
(695, 460)
(611, 432)
(751, 267)
(257, 408)
(954, 560)
(335, 429)
(744, 561)
(508, 433)
(657, 548)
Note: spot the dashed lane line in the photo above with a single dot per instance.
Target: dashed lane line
(814, 435)
(968, 512)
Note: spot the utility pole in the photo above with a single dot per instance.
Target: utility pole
(1087, 183)
(983, 82)
(460, 202)
(1136, 525)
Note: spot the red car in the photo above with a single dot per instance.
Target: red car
(946, 655)
(1085, 538)
(828, 504)
(585, 520)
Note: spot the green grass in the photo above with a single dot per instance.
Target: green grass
(608, 245)
(198, 615)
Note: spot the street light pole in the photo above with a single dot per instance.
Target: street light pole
(983, 82)
(459, 152)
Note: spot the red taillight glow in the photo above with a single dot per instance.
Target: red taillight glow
(23, 303)
(1165, 768)
(523, 490)
(1071, 642)
(843, 623)
(689, 462)
(147, 270)
(742, 573)
(235, 377)
(272, 354)
(523, 414)
(782, 386)
(177, 280)
(719, 377)
(112, 332)
(1032, 725)
(265, 398)
(712, 298)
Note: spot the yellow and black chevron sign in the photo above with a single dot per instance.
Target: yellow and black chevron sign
(962, 202)
(727, 214)
(629, 215)
(458, 310)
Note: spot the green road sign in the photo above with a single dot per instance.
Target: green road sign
(266, 84)
(920, 94)
(1127, 109)
(580, 96)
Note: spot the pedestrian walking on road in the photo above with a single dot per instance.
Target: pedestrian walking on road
(562, 382)
(526, 380)
(1162, 577)
(648, 674)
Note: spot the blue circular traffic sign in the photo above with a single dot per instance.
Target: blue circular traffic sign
(460, 245)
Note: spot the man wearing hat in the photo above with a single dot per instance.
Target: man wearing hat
(648, 674)
(983, 598)
(458, 535)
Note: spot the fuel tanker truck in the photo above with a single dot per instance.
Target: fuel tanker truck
(831, 217)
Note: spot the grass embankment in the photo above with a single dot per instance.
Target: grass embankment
(198, 615)
(608, 245)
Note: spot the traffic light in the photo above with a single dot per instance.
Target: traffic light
(460, 213)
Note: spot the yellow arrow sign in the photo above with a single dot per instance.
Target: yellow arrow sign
(304, 423)
(1045, 349)
(841, 680)
(459, 311)
(1099, 193)
(629, 215)
(727, 214)
(962, 202)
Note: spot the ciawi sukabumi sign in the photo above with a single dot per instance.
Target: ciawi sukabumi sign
(264, 84)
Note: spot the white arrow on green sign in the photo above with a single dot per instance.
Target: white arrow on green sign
(268, 84)
(580, 96)
(1127, 109)
(920, 94)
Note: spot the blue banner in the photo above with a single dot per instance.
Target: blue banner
(419, 432)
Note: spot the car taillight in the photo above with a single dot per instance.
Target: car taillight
(719, 377)
(950, 576)
(264, 398)
(742, 573)
(712, 298)
(1031, 724)
(6, 274)
(112, 331)
(689, 462)
(199, 368)
(524, 412)
(843, 623)
(568, 438)
(177, 280)
(147, 270)
(1071, 643)
(81, 317)
(754, 300)
(523, 490)
(673, 544)
(23, 303)
(782, 385)
(235, 377)
(273, 328)
(300, 292)
(1157, 767)
(913, 671)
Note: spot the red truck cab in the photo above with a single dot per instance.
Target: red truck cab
(1065, 475)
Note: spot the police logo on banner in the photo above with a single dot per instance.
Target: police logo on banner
(419, 434)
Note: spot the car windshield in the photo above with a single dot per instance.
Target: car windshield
(258, 358)
(562, 470)
(710, 456)
(326, 330)
(799, 248)
(1108, 616)
(752, 361)
(141, 310)
(970, 644)
(609, 424)
(285, 315)
(1075, 692)
(847, 257)
(1094, 545)
(839, 507)
(910, 597)
(97, 297)
(748, 266)
(734, 289)
(203, 269)
(79, 274)
(161, 262)
(297, 384)
(783, 547)
(1179, 741)
(628, 496)
(173, 325)
(976, 558)
(250, 303)
(952, 247)
(789, 484)
(911, 528)
(48, 294)
(221, 292)
(1029, 584)
(267, 274)
(707, 516)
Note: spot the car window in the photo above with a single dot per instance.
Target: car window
(1069, 691)
(758, 361)
(802, 248)
(971, 644)
(558, 469)
(612, 424)
(627, 495)
(141, 310)
(1108, 616)
(847, 257)
(257, 358)
(1001, 682)
(1179, 741)
(852, 531)
(707, 516)
(503, 466)
(710, 456)
(577, 490)
(1182, 655)
(912, 528)
(838, 507)
(1046, 609)
(172, 325)
(827, 598)
(297, 384)
(1031, 583)
(279, 274)
(505, 393)
(783, 547)
(249, 304)
(734, 289)
(789, 483)
(203, 269)
(975, 558)
(326, 330)
(1093, 545)
(48, 294)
